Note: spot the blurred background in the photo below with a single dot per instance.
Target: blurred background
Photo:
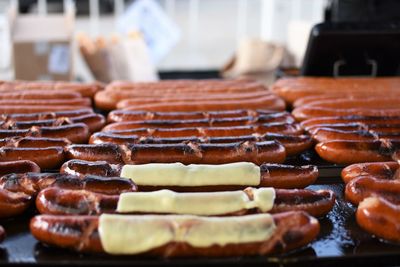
(200, 35)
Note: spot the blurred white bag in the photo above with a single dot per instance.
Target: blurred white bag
(118, 58)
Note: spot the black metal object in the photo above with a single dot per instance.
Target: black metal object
(353, 49)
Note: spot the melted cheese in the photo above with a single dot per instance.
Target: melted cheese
(210, 203)
(134, 234)
(177, 174)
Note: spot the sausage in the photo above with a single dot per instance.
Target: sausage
(16, 109)
(367, 186)
(38, 94)
(282, 117)
(34, 142)
(134, 100)
(17, 191)
(32, 183)
(379, 217)
(328, 134)
(82, 168)
(272, 103)
(94, 121)
(371, 102)
(349, 152)
(46, 115)
(58, 201)
(364, 120)
(124, 115)
(18, 166)
(46, 102)
(80, 233)
(256, 152)
(275, 127)
(46, 158)
(351, 126)
(308, 112)
(294, 144)
(272, 175)
(86, 90)
(13, 203)
(379, 170)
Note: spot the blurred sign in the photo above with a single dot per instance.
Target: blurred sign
(159, 31)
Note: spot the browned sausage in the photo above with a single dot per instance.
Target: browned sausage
(379, 217)
(18, 166)
(367, 186)
(293, 230)
(34, 142)
(281, 117)
(379, 170)
(272, 175)
(58, 201)
(38, 94)
(256, 152)
(46, 158)
(275, 127)
(366, 120)
(47, 115)
(46, 102)
(294, 144)
(349, 152)
(272, 103)
(16, 109)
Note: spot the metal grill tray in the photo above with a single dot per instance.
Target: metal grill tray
(340, 241)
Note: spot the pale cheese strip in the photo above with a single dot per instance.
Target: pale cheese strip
(209, 203)
(178, 174)
(134, 234)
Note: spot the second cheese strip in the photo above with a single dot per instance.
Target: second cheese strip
(166, 201)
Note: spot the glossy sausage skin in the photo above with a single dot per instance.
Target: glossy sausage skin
(379, 217)
(218, 122)
(47, 115)
(268, 102)
(124, 115)
(278, 127)
(294, 230)
(369, 102)
(2, 234)
(18, 166)
(366, 120)
(16, 109)
(47, 102)
(367, 186)
(308, 112)
(33, 142)
(294, 144)
(17, 191)
(58, 201)
(46, 158)
(379, 170)
(190, 153)
(272, 175)
(38, 94)
(349, 152)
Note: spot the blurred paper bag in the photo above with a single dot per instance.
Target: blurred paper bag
(120, 58)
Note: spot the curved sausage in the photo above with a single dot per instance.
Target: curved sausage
(282, 128)
(13, 203)
(368, 102)
(34, 142)
(124, 115)
(18, 166)
(272, 103)
(379, 170)
(16, 109)
(328, 134)
(379, 217)
(367, 186)
(58, 201)
(349, 152)
(80, 233)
